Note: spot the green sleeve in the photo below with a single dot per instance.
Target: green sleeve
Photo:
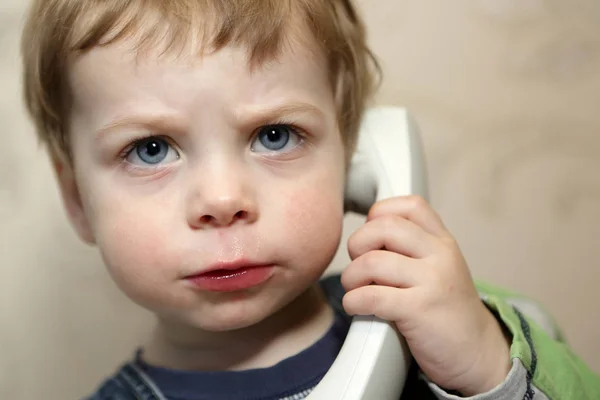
(551, 365)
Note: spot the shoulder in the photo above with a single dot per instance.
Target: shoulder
(114, 387)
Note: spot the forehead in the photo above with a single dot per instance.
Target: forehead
(118, 71)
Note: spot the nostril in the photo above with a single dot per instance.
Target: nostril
(206, 219)
(240, 215)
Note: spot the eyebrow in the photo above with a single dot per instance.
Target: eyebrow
(155, 123)
(258, 114)
(246, 115)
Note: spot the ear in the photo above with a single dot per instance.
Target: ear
(72, 200)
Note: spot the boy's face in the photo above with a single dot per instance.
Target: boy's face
(213, 185)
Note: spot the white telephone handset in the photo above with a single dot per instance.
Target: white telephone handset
(374, 360)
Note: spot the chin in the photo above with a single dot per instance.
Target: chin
(231, 315)
(230, 325)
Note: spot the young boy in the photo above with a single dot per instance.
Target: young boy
(202, 146)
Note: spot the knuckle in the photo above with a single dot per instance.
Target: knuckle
(372, 263)
(387, 226)
(372, 259)
(391, 222)
(450, 241)
(354, 243)
(450, 244)
(374, 210)
(417, 202)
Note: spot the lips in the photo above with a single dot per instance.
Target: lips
(232, 276)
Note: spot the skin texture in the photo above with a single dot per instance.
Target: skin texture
(218, 196)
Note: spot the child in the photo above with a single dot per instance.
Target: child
(202, 146)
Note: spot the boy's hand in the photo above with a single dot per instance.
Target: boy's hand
(407, 268)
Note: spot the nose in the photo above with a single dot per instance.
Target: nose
(221, 200)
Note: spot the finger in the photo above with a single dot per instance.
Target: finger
(390, 304)
(382, 268)
(413, 208)
(391, 233)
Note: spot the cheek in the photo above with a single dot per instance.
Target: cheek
(133, 239)
(315, 218)
(127, 240)
(314, 211)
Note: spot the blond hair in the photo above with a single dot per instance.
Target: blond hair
(56, 31)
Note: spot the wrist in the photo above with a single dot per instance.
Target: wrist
(494, 362)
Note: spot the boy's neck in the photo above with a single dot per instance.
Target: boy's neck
(282, 335)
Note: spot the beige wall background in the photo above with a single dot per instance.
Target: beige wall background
(507, 93)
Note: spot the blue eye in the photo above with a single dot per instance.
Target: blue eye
(274, 138)
(152, 151)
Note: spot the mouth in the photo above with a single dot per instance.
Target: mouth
(231, 277)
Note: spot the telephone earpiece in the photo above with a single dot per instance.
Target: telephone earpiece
(374, 360)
